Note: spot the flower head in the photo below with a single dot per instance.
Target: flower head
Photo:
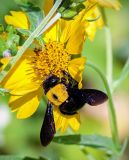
(25, 79)
(52, 59)
(63, 40)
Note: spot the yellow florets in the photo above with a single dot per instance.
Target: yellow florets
(51, 60)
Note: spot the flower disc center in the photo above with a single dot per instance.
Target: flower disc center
(51, 60)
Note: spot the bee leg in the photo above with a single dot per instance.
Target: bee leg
(48, 128)
(68, 107)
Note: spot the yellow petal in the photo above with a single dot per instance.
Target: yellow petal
(91, 27)
(47, 5)
(73, 33)
(75, 68)
(51, 34)
(26, 105)
(19, 80)
(75, 122)
(75, 42)
(66, 30)
(18, 20)
(114, 4)
(64, 121)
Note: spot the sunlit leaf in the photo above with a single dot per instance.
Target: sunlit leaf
(95, 141)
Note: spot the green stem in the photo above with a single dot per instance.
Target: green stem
(28, 42)
(123, 76)
(103, 16)
(124, 146)
(111, 109)
(109, 55)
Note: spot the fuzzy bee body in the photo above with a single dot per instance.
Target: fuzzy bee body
(65, 94)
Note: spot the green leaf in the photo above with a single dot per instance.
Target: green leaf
(10, 158)
(9, 41)
(34, 13)
(21, 2)
(24, 32)
(94, 141)
(12, 42)
(3, 91)
(29, 158)
(69, 9)
(68, 14)
(20, 158)
(2, 46)
(10, 29)
(1, 28)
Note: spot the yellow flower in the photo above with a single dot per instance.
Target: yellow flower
(63, 39)
(25, 79)
(91, 12)
(115, 4)
(93, 19)
(17, 19)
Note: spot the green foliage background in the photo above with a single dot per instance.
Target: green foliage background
(21, 137)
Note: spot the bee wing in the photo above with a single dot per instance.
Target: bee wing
(93, 97)
(48, 127)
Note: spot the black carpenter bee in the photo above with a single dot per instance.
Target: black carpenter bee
(64, 93)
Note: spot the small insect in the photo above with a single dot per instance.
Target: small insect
(65, 94)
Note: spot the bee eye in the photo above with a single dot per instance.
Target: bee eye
(55, 96)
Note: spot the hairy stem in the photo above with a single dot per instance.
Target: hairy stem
(28, 42)
(111, 109)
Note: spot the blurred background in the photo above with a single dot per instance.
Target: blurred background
(21, 137)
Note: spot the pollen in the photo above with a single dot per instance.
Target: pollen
(52, 59)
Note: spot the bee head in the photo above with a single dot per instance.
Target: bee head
(50, 82)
